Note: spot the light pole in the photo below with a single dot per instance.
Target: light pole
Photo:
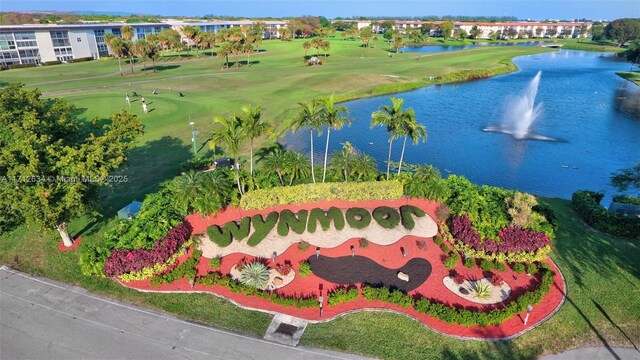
(526, 317)
(194, 132)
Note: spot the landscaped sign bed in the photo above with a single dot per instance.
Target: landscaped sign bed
(404, 259)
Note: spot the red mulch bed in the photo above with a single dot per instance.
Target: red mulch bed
(73, 246)
(390, 257)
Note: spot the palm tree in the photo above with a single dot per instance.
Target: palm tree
(308, 116)
(127, 34)
(332, 117)
(226, 49)
(390, 117)
(426, 182)
(306, 46)
(297, 166)
(230, 133)
(341, 162)
(117, 47)
(193, 34)
(365, 167)
(273, 159)
(253, 127)
(411, 128)
(205, 193)
(139, 49)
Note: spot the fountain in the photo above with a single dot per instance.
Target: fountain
(521, 113)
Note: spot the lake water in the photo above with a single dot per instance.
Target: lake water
(441, 48)
(595, 113)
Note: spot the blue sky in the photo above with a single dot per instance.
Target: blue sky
(523, 9)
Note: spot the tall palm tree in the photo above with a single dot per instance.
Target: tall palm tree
(126, 32)
(253, 127)
(226, 49)
(117, 47)
(411, 128)
(333, 117)
(228, 131)
(391, 118)
(309, 117)
(140, 50)
(193, 34)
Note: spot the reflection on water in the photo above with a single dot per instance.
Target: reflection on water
(586, 104)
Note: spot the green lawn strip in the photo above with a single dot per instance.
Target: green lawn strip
(602, 274)
(634, 77)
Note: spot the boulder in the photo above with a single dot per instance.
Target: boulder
(402, 276)
(277, 281)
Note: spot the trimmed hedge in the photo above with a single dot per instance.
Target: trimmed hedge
(587, 205)
(288, 220)
(371, 190)
(464, 317)
(302, 301)
(386, 217)
(406, 212)
(229, 231)
(48, 63)
(21, 66)
(262, 228)
(82, 59)
(325, 218)
(358, 218)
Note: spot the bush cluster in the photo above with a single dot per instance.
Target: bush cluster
(82, 59)
(465, 317)
(587, 206)
(627, 199)
(21, 66)
(372, 190)
(185, 270)
(123, 261)
(302, 301)
(304, 269)
(341, 295)
(54, 62)
(151, 271)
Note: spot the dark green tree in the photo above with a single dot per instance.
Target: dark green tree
(51, 163)
(623, 30)
(627, 178)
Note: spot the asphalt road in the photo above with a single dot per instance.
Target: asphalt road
(44, 319)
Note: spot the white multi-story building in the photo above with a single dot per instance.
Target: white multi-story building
(35, 44)
(522, 29)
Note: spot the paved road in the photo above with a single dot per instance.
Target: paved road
(44, 319)
(599, 353)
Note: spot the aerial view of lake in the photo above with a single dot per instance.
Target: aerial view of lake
(593, 114)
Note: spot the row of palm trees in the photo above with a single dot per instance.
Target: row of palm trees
(319, 115)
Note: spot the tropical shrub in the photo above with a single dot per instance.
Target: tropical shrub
(458, 279)
(372, 190)
(518, 267)
(304, 269)
(386, 217)
(150, 271)
(342, 295)
(531, 269)
(487, 265)
(587, 206)
(358, 218)
(421, 244)
(325, 218)
(397, 297)
(215, 262)
(406, 214)
(254, 274)
(496, 280)
(469, 262)
(443, 213)
(438, 240)
(363, 243)
(122, 261)
(445, 248)
(481, 290)
(500, 266)
(229, 231)
(303, 245)
(288, 220)
(262, 227)
(283, 269)
(450, 262)
(185, 270)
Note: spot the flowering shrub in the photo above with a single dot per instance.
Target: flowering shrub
(124, 261)
(458, 279)
(514, 243)
(496, 280)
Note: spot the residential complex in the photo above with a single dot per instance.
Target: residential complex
(486, 29)
(35, 44)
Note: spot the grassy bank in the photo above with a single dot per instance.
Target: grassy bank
(634, 76)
